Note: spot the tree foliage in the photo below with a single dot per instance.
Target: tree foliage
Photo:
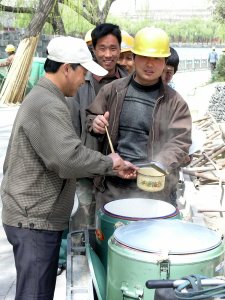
(219, 11)
(76, 17)
(219, 73)
(86, 9)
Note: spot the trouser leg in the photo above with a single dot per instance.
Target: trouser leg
(63, 250)
(36, 254)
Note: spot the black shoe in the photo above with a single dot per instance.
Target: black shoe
(60, 269)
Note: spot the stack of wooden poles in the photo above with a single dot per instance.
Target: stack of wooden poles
(208, 164)
(14, 87)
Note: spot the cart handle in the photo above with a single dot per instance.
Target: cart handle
(157, 284)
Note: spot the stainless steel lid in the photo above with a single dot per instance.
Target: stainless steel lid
(171, 236)
(140, 208)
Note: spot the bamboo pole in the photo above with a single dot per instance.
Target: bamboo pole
(14, 86)
(202, 157)
(201, 119)
(203, 175)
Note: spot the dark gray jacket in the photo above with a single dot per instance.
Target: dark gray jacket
(43, 160)
(78, 104)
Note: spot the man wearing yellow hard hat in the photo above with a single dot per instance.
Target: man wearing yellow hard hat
(10, 50)
(126, 58)
(88, 41)
(147, 121)
(88, 38)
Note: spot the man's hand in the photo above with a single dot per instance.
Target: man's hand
(129, 171)
(123, 168)
(100, 122)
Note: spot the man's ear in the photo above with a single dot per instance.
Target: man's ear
(65, 68)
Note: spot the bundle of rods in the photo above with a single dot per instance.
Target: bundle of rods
(207, 165)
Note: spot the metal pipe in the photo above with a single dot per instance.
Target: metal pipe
(154, 284)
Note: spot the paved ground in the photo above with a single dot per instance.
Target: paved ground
(186, 84)
(195, 89)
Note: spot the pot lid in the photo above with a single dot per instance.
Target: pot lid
(171, 236)
(140, 208)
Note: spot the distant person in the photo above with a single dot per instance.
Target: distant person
(171, 68)
(212, 59)
(126, 58)
(10, 50)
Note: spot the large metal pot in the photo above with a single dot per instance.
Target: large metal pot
(124, 211)
(159, 249)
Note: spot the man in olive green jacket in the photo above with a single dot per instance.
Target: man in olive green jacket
(43, 160)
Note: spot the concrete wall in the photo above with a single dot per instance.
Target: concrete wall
(14, 37)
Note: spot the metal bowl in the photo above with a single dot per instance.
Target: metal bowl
(151, 180)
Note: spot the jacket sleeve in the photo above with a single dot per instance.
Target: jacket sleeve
(174, 152)
(97, 107)
(54, 139)
(74, 107)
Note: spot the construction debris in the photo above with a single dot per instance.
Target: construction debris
(217, 103)
(208, 164)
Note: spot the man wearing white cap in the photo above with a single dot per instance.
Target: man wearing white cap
(43, 160)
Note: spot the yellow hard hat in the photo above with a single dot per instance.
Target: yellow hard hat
(10, 48)
(127, 41)
(151, 42)
(87, 37)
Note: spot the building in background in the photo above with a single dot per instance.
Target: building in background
(173, 10)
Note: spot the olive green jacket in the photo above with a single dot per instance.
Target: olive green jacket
(43, 160)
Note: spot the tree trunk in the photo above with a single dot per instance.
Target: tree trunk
(39, 19)
(14, 87)
(57, 22)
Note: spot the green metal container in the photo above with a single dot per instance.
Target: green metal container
(123, 211)
(159, 249)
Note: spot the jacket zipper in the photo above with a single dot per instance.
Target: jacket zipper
(113, 123)
(153, 121)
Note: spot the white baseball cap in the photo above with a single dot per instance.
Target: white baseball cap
(71, 50)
